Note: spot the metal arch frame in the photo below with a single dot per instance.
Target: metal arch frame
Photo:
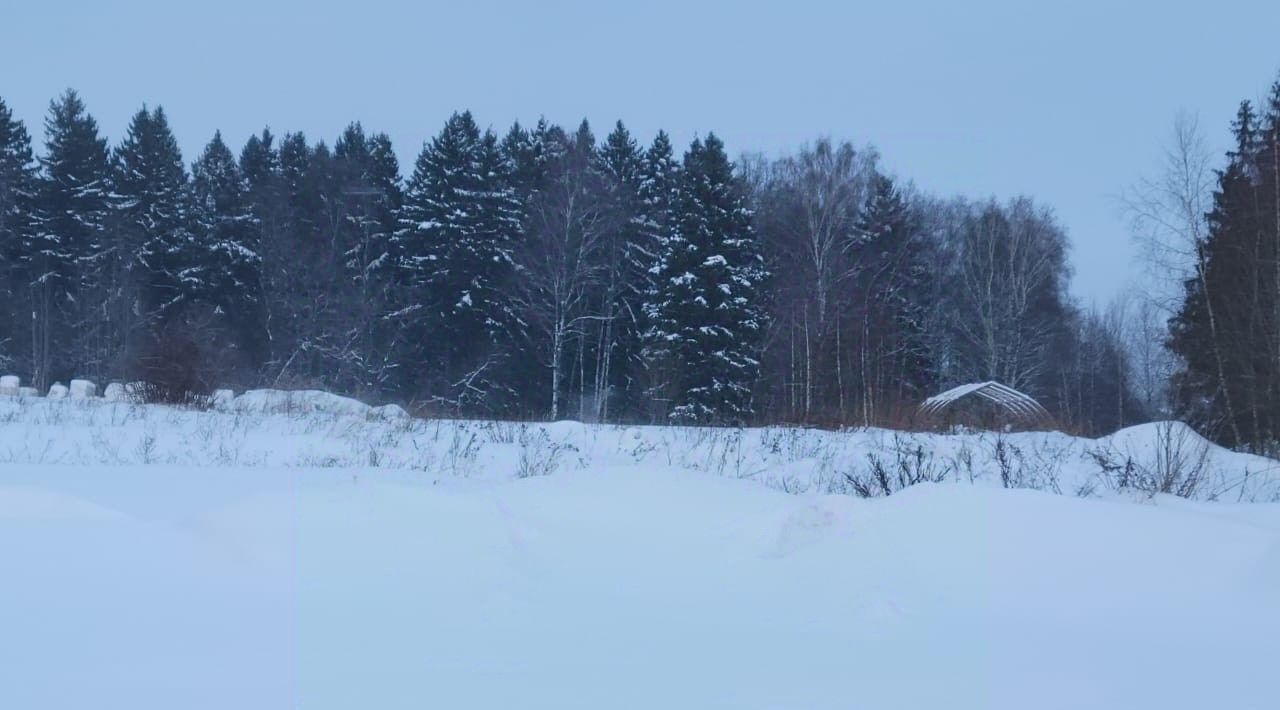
(1018, 403)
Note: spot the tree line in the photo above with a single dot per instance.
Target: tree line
(543, 273)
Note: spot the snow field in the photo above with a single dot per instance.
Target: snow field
(320, 430)
(160, 558)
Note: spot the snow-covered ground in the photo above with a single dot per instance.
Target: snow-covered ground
(271, 557)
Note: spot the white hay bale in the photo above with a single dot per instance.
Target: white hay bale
(9, 385)
(389, 411)
(28, 392)
(221, 399)
(58, 391)
(114, 392)
(83, 389)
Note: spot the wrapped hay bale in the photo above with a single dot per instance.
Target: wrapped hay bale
(9, 385)
(389, 412)
(28, 392)
(58, 391)
(114, 392)
(221, 399)
(83, 389)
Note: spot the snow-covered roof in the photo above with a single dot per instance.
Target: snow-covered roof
(1011, 400)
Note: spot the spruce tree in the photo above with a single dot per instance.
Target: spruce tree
(156, 215)
(891, 281)
(621, 165)
(1227, 332)
(659, 183)
(260, 163)
(269, 205)
(17, 195)
(707, 316)
(70, 260)
(228, 263)
(367, 181)
(530, 154)
(303, 264)
(1208, 332)
(532, 159)
(457, 229)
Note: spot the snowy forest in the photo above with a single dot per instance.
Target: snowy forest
(543, 272)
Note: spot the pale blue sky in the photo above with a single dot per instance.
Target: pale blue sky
(986, 97)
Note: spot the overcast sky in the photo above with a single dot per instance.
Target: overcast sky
(980, 98)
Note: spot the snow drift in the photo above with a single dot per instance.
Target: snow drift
(161, 558)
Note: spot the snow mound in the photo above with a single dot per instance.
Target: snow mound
(268, 401)
(1147, 437)
(389, 412)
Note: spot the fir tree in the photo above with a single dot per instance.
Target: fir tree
(303, 264)
(272, 217)
(457, 230)
(227, 234)
(530, 155)
(659, 183)
(156, 215)
(532, 160)
(70, 260)
(892, 282)
(621, 165)
(259, 161)
(706, 319)
(367, 180)
(17, 195)
(1227, 332)
(654, 219)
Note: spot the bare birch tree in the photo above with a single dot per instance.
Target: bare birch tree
(1010, 279)
(1167, 214)
(559, 265)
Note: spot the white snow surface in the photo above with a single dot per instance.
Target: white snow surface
(269, 558)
